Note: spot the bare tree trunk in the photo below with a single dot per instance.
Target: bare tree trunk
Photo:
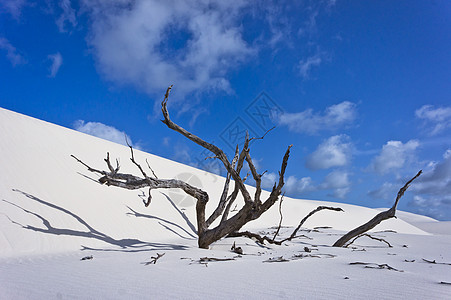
(390, 213)
(252, 209)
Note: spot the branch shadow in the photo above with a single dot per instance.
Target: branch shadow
(181, 213)
(140, 215)
(125, 245)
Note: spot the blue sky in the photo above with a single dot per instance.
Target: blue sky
(362, 89)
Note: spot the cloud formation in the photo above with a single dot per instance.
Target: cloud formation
(57, 61)
(393, 156)
(293, 185)
(306, 65)
(433, 190)
(310, 122)
(13, 7)
(153, 43)
(333, 152)
(67, 16)
(11, 52)
(338, 182)
(103, 131)
(438, 118)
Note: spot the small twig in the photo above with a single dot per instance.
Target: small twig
(154, 259)
(87, 166)
(148, 165)
(132, 158)
(263, 136)
(322, 227)
(87, 257)
(276, 259)
(436, 263)
(444, 282)
(237, 250)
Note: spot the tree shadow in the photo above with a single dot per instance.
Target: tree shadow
(125, 245)
(140, 215)
(182, 214)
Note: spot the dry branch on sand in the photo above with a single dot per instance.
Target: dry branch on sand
(390, 213)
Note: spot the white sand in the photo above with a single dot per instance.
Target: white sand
(52, 214)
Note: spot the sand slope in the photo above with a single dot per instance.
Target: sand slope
(53, 212)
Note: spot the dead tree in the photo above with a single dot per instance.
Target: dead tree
(252, 208)
(390, 213)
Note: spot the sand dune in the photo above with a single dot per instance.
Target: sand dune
(53, 212)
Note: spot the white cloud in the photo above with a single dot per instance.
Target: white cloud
(393, 156)
(338, 182)
(268, 180)
(293, 186)
(306, 65)
(309, 122)
(11, 52)
(432, 206)
(439, 118)
(299, 186)
(333, 152)
(103, 131)
(57, 61)
(437, 181)
(67, 16)
(433, 190)
(386, 191)
(152, 44)
(14, 7)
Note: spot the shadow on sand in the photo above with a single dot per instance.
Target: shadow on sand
(125, 245)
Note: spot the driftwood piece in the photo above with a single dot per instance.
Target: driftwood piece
(276, 259)
(390, 213)
(375, 266)
(436, 263)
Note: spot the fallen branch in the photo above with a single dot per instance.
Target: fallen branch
(390, 213)
(276, 259)
(371, 237)
(210, 259)
(436, 263)
(319, 208)
(318, 255)
(262, 239)
(375, 266)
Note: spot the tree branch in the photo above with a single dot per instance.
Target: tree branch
(390, 213)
